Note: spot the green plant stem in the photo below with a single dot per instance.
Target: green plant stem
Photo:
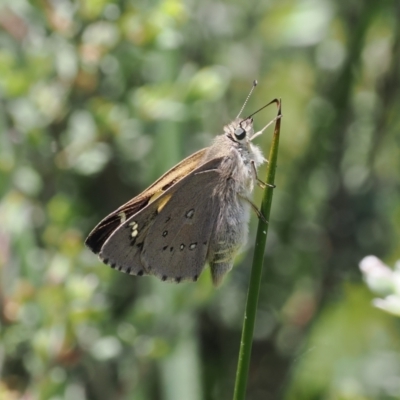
(256, 271)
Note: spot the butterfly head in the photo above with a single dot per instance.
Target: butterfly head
(240, 130)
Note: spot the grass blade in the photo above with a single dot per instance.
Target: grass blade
(256, 270)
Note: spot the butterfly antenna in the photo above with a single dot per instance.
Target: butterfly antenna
(255, 83)
(262, 108)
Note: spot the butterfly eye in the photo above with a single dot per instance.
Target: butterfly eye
(240, 133)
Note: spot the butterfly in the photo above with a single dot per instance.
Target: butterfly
(197, 212)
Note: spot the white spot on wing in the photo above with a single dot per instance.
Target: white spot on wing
(122, 216)
(133, 224)
(190, 213)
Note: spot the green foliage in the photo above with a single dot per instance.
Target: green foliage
(98, 98)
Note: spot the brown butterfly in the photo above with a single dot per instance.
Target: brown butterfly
(196, 212)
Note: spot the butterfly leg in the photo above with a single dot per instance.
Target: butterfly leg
(255, 208)
(260, 183)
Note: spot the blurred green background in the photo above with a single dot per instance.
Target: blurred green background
(98, 98)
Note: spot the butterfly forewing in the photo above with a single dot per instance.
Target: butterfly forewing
(109, 224)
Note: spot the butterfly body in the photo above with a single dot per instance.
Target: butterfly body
(197, 212)
(234, 189)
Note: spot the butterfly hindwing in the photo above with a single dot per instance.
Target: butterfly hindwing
(123, 250)
(176, 244)
(109, 224)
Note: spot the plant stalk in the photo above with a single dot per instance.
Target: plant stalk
(256, 270)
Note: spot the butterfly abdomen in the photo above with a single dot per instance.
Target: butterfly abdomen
(230, 233)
